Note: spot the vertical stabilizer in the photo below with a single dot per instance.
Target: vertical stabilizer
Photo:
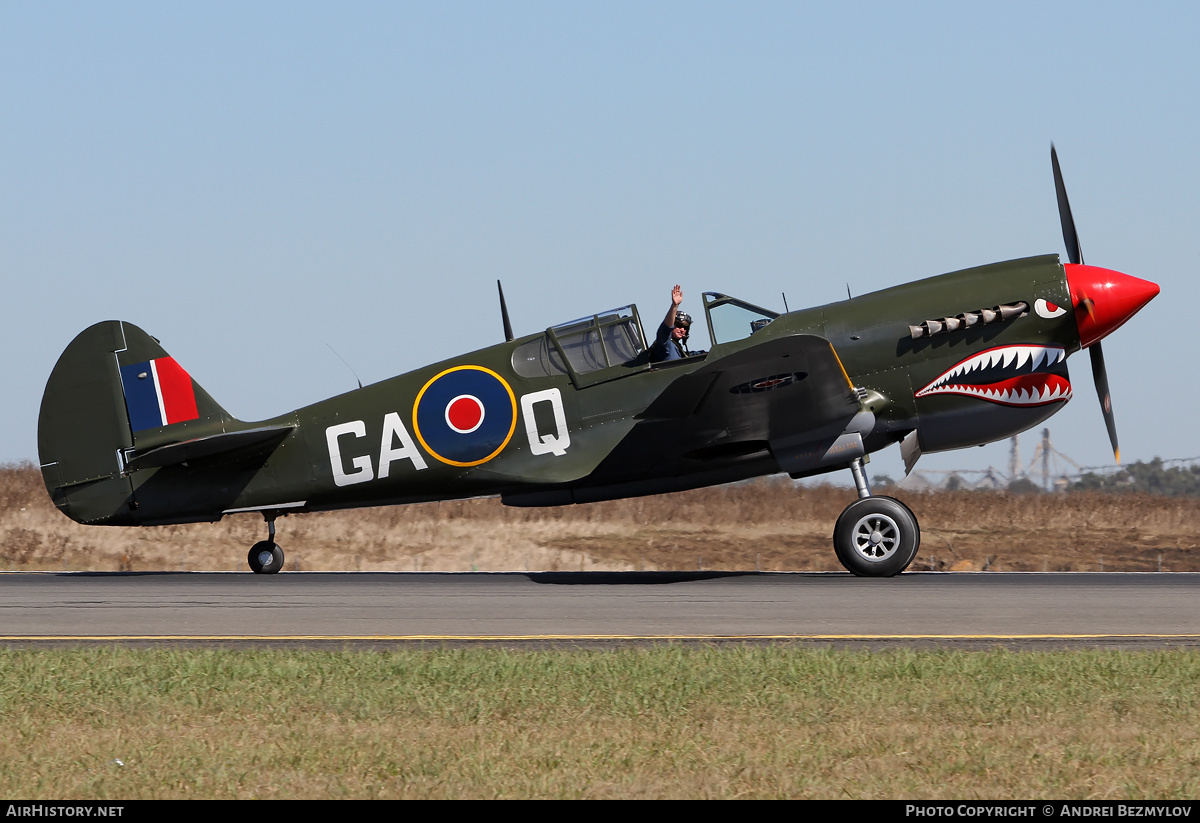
(114, 393)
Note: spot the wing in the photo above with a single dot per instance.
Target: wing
(787, 398)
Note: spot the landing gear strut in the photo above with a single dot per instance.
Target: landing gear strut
(875, 536)
(265, 556)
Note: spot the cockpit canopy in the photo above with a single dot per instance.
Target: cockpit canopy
(612, 344)
(589, 344)
(731, 319)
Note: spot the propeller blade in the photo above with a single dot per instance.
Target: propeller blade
(1070, 237)
(1100, 376)
(1085, 303)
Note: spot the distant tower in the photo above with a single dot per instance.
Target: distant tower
(1014, 461)
(1043, 451)
(1046, 459)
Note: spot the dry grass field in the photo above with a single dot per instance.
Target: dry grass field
(772, 525)
(114, 723)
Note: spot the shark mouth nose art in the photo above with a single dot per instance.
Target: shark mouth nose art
(1019, 375)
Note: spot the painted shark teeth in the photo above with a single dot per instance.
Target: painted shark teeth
(1054, 388)
(1013, 376)
(1007, 357)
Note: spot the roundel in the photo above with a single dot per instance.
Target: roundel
(465, 415)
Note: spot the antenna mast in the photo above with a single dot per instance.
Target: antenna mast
(508, 335)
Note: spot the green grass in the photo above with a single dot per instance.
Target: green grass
(666, 721)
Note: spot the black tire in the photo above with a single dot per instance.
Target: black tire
(876, 537)
(265, 557)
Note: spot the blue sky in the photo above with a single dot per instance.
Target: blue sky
(254, 183)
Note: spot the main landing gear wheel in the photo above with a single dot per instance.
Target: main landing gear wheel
(876, 537)
(265, 557)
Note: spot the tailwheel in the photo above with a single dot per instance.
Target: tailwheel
(876, 537)
(265, 557)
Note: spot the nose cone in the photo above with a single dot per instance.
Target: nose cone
(1104, 299)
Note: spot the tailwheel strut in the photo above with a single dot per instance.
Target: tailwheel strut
(265, 556)
(875, 536)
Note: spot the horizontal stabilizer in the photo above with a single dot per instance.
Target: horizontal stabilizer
(248, 442)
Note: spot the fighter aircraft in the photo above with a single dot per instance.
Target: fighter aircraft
(580, 413)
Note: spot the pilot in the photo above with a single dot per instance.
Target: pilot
(671, 341)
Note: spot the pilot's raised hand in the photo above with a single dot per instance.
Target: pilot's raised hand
(676, 295)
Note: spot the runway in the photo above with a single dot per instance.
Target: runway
(1138, 610)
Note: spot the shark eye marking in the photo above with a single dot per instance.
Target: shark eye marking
(1018, 375)
(1048, 310)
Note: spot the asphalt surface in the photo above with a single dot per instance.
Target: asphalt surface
(297, 608)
